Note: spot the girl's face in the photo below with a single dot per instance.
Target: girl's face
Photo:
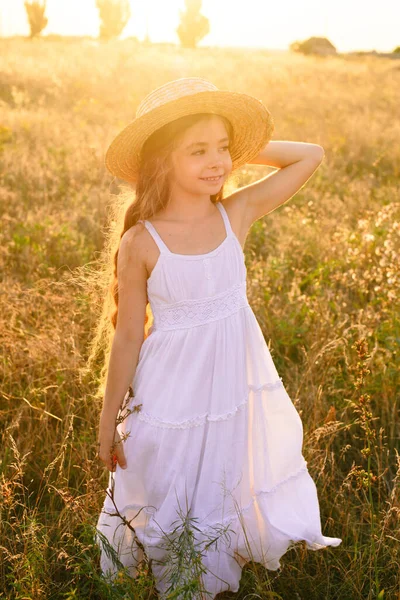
(202, 153)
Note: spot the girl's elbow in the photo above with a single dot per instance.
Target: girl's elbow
(320, 152)
(129, 336)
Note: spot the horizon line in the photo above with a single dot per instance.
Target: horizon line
(176, 44)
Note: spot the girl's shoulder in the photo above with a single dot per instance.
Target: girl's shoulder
(140, 247)
(133, 244)
(133, 237)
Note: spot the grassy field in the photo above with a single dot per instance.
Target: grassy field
(323, 280)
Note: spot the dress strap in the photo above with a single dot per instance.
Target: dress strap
(164, 248)
(222, 210)
(154, 234)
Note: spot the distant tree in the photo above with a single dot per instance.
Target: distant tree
(193, 26)
(397, 50)
(294, 46)
(35, 10)
(114, 16)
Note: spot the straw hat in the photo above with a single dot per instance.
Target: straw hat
(252, 123)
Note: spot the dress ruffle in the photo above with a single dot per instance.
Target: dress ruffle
(201, 419)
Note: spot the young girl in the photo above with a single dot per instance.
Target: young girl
(208, 427)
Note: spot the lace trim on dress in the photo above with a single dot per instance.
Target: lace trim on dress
(188, 313)
(200, 419)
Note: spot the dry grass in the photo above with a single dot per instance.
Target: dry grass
(323, 280)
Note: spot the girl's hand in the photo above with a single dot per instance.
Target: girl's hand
(110, 450)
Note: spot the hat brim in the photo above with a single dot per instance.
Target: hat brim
(252, 123)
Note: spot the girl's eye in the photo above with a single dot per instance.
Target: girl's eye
(194, 153)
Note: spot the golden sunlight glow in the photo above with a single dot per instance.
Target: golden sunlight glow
(355, 25)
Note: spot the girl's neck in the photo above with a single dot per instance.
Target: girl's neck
(185, 212)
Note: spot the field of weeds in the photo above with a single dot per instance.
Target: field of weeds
(323, 280)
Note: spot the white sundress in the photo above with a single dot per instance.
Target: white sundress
(216, 435)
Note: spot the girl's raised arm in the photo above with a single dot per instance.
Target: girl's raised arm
(296, 162)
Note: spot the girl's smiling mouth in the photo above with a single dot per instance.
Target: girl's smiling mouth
(212, 179)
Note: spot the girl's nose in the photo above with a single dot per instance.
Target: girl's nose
(217, 162)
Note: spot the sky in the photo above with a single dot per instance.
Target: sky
(349, 24)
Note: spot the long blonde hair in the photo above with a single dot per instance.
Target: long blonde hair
(151, 195)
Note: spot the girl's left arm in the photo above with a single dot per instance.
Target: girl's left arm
(295, 161)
